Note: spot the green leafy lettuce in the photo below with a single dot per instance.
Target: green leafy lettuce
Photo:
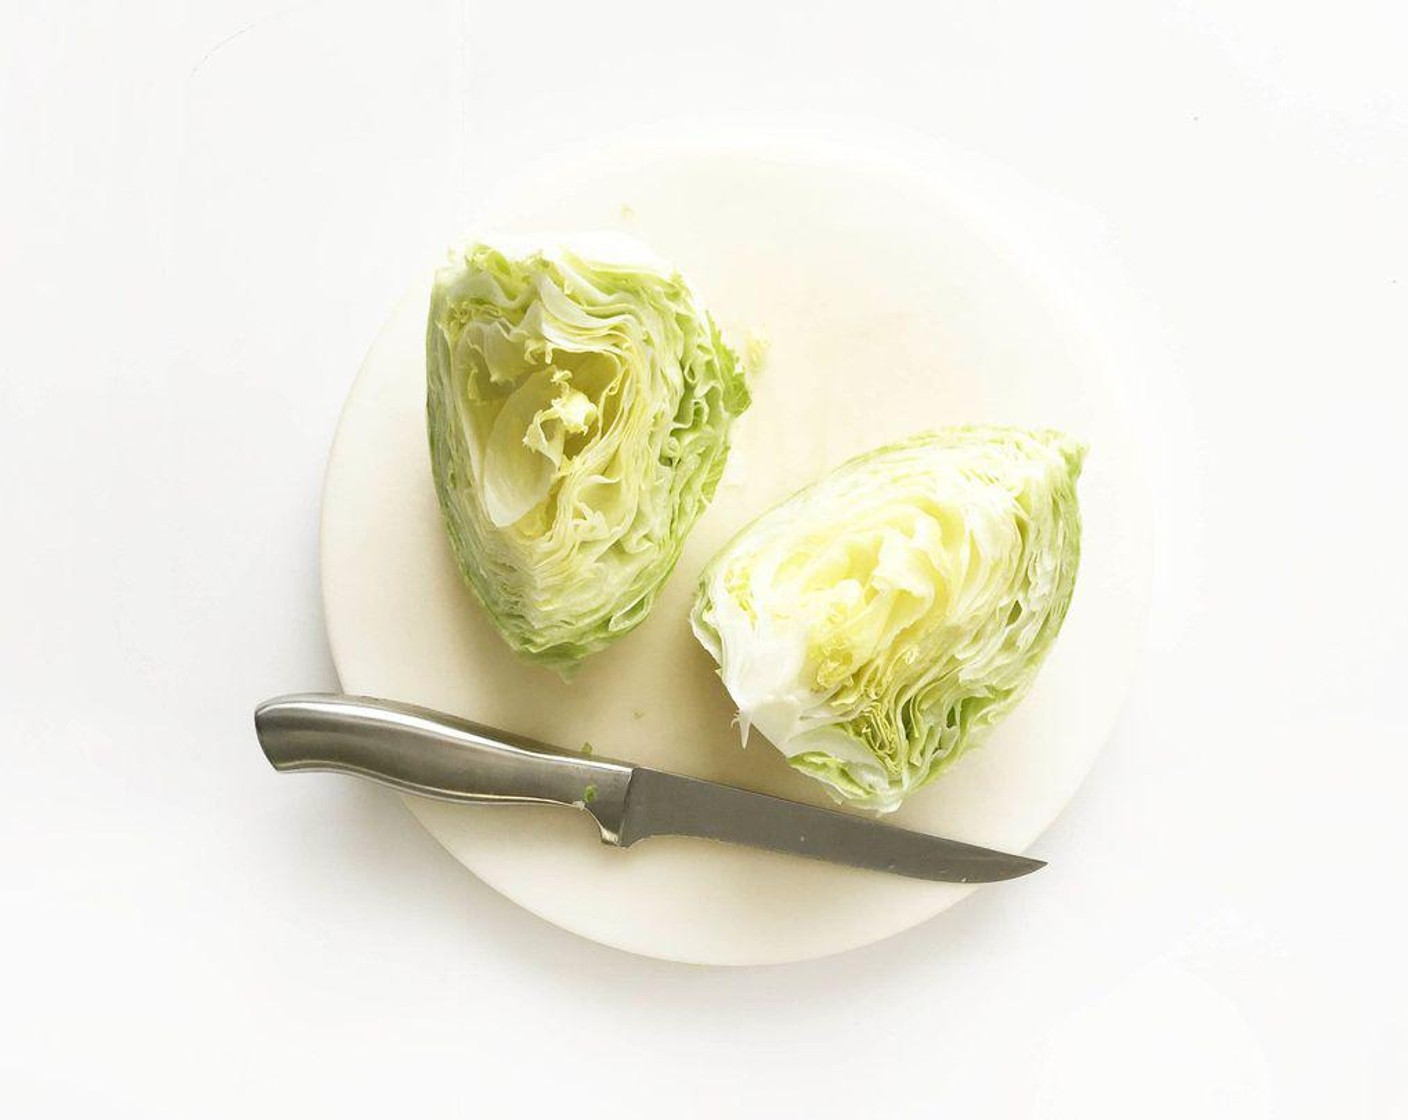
(579, 401)
(877, 623)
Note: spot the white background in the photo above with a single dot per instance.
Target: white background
(205, 215)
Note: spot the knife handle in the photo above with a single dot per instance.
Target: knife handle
(416, 750)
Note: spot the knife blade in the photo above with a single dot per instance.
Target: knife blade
(417, 750)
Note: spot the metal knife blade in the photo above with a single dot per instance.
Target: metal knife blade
(659, 804)
(417, 750)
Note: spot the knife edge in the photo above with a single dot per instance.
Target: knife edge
(663, 804)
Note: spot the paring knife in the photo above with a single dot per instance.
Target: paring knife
(424, 752)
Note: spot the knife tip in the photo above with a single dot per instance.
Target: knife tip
(1024, 865)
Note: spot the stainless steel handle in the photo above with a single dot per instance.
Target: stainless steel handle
(420, 751)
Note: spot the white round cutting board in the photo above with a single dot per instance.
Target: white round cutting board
(888, 308)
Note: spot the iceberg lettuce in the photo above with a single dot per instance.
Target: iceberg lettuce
(876, 624)
(579, 402)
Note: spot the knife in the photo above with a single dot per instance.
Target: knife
(420, 751)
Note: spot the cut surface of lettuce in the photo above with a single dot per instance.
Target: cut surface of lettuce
(875, 625)
(579, 400)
